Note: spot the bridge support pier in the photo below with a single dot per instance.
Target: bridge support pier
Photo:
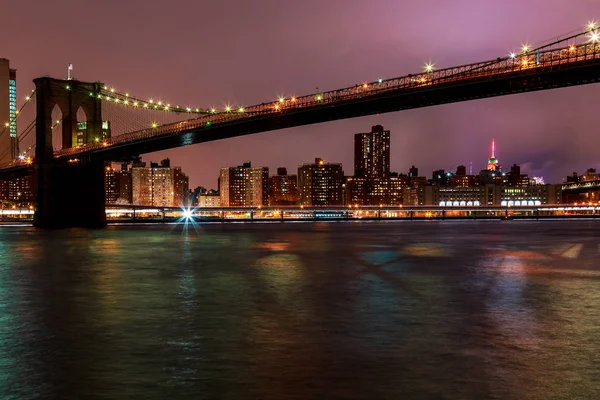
(70, 196)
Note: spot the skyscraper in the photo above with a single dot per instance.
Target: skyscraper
(372, 153)
(9, 144)
(244, 186)
(320, 184)
(493, 161)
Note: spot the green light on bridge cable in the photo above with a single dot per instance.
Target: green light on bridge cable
(207, 123)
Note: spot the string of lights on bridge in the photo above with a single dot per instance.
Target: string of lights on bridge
(523, 57)
(113, 96)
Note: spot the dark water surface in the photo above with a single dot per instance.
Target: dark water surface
(403, 310)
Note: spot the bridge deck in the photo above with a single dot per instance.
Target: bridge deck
(539, 70)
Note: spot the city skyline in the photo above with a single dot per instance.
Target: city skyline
(535, 128)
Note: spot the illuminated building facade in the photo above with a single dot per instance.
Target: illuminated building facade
(355, 191)
(80, 135)
(493, 161)
(455, 196)
(461, 179)
(181, 184)
(209, 200)
(372, 153)
(159, 185)
(320, 184)
(20, 189)
(534, 195)
(118, 185)
(493, 195)
(244, 186)
(283, 188)
(388, 191)
(9, 143)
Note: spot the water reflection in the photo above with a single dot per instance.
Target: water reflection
(297, 311)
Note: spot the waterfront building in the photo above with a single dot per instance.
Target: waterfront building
(9, 143)
(118, 185)
(181, 185)
(388, 191)
(454, 196)
(244, 186)
(209, 200)
(355, 191)
(159, 185)
(320, 184)
(19, 189)
(372, 153)
(493, 195)
(283, 188)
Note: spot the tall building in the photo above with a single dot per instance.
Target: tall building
(159, 185)
(372, 153)
(117, 185)
(320, 184)
(9, 143)
(493, 161)
(181, 184)
(283, 188)
(244, 186)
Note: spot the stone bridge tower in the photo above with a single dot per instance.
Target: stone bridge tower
(68, 194)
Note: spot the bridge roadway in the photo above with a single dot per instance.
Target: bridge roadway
(532, 71)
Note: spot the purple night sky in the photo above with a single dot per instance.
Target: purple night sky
(205, 53)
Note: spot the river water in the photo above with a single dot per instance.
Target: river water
(396, 310)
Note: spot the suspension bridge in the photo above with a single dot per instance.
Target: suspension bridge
(119, 126)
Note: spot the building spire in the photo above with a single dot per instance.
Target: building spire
(493, 161)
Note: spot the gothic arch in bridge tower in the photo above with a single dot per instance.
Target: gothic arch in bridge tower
(56, 118)
(70, 97)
